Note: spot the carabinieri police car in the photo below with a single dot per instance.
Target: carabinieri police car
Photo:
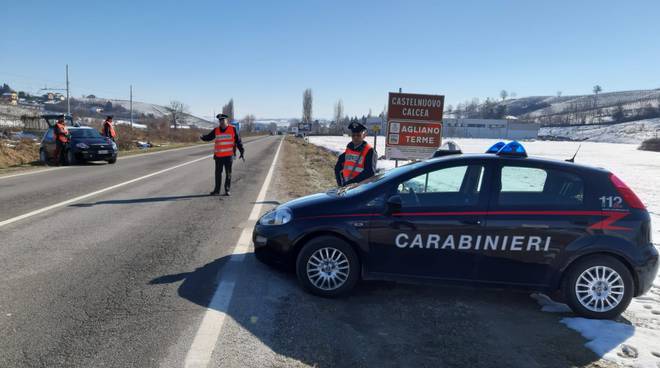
(499, 218)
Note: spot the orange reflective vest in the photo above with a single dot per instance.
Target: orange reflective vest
(61, 133)
(224, 142)
(354, 162)
(109, 129)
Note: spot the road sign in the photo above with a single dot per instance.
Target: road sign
(305, 127)
(414, 127)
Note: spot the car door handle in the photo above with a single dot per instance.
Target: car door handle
(535, 226)
(404, 224)
(470, 222)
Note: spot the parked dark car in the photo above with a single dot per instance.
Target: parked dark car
(494, 219)
(85, 144)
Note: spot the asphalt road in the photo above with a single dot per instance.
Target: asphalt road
(83, 284)
(155, 273)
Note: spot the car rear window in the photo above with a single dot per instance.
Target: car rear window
(536, 187)
(84, 133)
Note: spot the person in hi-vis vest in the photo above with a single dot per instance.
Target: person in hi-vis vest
(227, 141)
(358, 162)
(109, 129)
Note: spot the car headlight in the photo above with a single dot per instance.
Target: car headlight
(114, 146)
(279, 216)
(82, 145)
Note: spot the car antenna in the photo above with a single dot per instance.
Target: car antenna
(572, 159)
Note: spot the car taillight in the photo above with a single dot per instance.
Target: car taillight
(626, 193)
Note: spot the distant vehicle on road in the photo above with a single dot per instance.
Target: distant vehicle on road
(85, 144)
(498, 218)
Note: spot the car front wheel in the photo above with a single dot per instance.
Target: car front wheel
(327, 266)
(598, 287)
(71, 158)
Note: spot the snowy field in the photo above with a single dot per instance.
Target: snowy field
(636, 344)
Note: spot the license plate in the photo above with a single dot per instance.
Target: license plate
(103, 152)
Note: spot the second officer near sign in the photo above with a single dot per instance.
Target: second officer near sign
(358, 162)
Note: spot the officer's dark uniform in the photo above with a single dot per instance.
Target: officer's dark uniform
(225, 161)
(108, 129)
(361, 162)
(61, 139)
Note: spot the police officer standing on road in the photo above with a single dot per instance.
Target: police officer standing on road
(61, 139)
(358, 162)
(109, 129)
(227, 141)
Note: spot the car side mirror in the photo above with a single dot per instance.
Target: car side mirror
(393, 204)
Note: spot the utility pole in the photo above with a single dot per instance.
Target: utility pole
(131, 106)
(68, 104)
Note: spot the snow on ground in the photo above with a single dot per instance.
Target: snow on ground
(631, 132)
(638, 343)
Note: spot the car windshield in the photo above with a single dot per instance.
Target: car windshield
(369, 183)
(84, 133)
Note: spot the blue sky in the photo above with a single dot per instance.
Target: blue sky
(265, 53)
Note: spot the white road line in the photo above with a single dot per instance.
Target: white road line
(39, 171)
(72, 200)
(208, 332)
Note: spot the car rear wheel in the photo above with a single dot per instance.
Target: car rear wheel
(112, 160)
(43, 157)
(327, 266)
(598, 287)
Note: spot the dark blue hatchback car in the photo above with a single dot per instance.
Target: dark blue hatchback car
(498, 219)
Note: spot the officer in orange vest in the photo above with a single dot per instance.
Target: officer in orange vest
(109, 129)
(227, 141)
(358, 162)
(61, 139)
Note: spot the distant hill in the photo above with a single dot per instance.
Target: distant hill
(606, 107)
(147, 109)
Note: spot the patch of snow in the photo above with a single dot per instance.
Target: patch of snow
(135, 125)
(549, 305)
(628, 345)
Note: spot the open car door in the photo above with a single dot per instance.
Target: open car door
(51, 119)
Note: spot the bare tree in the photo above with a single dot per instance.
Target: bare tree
(248, 123)
(307, 106)
(178, 111)
(503, 94)
(228, 109)
(338, 115)
(597, 90)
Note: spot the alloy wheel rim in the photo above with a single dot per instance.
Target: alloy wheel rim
(328, 268)
(599, 289)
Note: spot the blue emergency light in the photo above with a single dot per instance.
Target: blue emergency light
(496, 147)
(513, 148)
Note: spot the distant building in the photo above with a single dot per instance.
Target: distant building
(10, 98)
(490, 128)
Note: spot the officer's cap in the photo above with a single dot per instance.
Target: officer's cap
(109, 117)
(222, 116)
(356, 127)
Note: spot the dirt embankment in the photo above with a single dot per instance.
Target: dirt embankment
(305, 168)
(18, 153)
